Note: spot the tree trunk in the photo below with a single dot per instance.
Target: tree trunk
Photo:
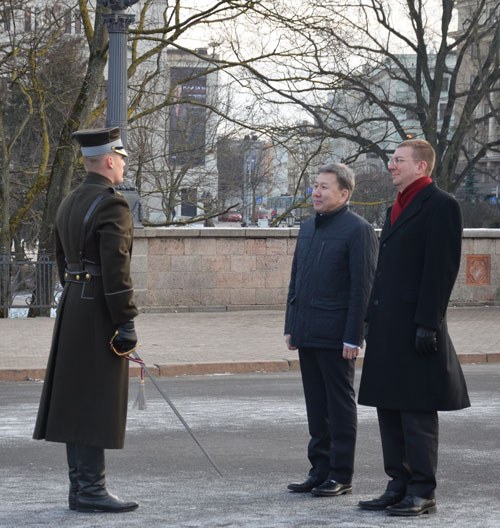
(62, 168)
(5, 242)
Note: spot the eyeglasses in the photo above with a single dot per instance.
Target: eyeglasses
(398, 160)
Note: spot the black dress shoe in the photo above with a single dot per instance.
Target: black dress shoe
(331, 488)
(306, 486)
(412, 506)
(389, 498)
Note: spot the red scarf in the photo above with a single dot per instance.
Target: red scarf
(404, 198)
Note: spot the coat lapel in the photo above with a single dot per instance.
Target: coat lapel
(413, 209)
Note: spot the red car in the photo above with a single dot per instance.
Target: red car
(261, 214)
(231, 216)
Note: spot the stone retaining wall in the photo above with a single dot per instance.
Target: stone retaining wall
(478, 281)
(193, 269)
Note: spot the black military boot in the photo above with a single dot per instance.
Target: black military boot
(73, 475)
(92, 493)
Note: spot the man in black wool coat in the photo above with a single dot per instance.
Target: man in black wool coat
(410, 369)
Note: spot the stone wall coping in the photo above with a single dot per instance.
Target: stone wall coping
(262, 232)
(481, 233)
(219, 232)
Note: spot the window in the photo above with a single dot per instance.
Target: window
(27, 20)
(5, 88)
(189, 199)
(78, 24)
(5, 20)
(445, 84)
(67, 22)
(474, 51)
(103, 91)
(442, 111)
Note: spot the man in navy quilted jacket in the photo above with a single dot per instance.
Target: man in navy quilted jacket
(332, 273)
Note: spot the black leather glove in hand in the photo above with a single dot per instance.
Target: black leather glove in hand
(426, 341)
(126, 339)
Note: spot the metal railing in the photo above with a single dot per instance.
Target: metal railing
(27, 283)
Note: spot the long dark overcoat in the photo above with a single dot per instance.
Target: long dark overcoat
(84, 398)
(419, 258)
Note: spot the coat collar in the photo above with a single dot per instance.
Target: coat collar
(93, 178)
(322, 218)
(409, 212)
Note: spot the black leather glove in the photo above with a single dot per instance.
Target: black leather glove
(426, 341)
(126, 339)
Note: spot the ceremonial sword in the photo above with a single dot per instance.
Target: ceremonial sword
(135, 356)
(132, 355)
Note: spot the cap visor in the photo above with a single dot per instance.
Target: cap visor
(120, 150)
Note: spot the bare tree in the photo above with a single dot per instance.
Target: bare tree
(25, 111)
(374, 191)
(372, 73)
(39, 69)
(62, 166)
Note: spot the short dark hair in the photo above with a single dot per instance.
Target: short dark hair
(423, 151)
(345, 175)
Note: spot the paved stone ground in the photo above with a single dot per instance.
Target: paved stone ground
(218, 342)
(255, 428)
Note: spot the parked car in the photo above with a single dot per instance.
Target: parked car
(261, 214)
(231, 216)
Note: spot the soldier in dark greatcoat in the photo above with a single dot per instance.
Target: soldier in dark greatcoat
(410, 369)
(84, 397)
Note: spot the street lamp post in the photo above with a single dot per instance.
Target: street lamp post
(118, 22)
(116, 114)
(247, 186)
(249, 163)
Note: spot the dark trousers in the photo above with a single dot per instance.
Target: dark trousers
(331, 412)
(410, 449)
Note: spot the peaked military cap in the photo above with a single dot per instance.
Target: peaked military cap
(97, 141)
